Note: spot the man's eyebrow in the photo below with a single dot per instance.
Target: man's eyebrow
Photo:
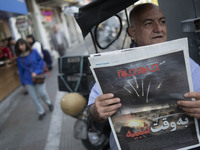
(145, 20)
(162, 18)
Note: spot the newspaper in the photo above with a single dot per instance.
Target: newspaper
(149, 80)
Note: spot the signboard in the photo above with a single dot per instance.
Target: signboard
(47, 15)
(22, 24)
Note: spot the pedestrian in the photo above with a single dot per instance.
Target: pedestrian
(44, 53)
(11, 45)
(47, 59)
(3, 56)
(6, 51)
(147, 27)
(34, 44)
(59, 41)
(31, 64)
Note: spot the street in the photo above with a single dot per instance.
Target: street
(20, 128)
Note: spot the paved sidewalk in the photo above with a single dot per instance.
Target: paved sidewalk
(20, 128)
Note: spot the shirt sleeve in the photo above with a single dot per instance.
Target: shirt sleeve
(95, 92)
(195, 70)
(38, 47)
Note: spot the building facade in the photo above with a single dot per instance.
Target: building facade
(8, 69)
(19, 18)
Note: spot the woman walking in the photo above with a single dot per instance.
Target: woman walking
(30, 64)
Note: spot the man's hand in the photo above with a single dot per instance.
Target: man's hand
(105, 106)
(191, 108)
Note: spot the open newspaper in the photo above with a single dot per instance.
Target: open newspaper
(149, 80)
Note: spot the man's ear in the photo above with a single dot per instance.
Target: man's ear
(131, 32)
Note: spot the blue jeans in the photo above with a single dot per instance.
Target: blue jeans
(36, 92)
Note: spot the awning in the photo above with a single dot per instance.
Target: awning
(98, 11)
(57, 3)
(12, 8)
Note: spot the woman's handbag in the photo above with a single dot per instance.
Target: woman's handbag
(38, 79)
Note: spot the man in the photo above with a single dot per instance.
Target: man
(35, 44)
(147, 27)
(59, 41)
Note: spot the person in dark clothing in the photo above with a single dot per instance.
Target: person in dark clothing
(11, 44)
(47, 58)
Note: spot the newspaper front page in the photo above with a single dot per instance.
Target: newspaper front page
(149, 80)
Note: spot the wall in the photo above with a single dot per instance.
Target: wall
(177, 10)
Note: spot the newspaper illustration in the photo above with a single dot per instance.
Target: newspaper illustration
(149, 80)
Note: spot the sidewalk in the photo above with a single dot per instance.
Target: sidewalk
(20, 128)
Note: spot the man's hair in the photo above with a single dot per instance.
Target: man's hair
(9, 40)
(32, 37)
(136, 12)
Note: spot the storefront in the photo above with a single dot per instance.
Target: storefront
(9, 78)
(51, 13)
(43, 18)
(49, 17)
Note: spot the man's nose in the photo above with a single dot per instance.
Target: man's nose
(157, 27)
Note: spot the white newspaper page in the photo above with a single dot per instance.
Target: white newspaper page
(149, 81)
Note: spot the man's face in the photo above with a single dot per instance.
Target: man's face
(150, 27)
(56, 28)
(29, 40)
(12, 42)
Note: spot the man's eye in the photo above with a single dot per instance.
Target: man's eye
(162, 21)
(147, 24)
